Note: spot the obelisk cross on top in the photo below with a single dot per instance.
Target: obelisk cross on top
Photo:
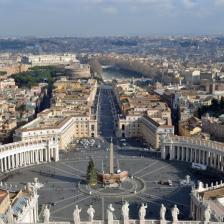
(111, 156)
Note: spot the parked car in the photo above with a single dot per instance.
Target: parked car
(166, 182)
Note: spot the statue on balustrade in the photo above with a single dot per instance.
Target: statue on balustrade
(142, 212)
(9, 215)
(162, 213)
(175, 212)
(46, 214)
(76, 215)
(110, 214)
(1, 221)
(207, 214)
(125, 212)
(91, 213)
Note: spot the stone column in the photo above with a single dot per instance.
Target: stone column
(178, 153)
(9, 162)
(42, 155)
(195, 155)
(5, 164)
(37, 156)
(215, 160)
(182, 153)
(207, 158)
(191, 157)
(56, 154)
(222, 162)
(20, 159)
(24, 158)
(203, 157)
(163, 152)
(13, 161)
(16, 160)
(186, 154)
(199, 157)
(32, 157)
(1, 163)
(49, 154)
(29, 157)
(45, 155)
(218, 162)
(172, 152)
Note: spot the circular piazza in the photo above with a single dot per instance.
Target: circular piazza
(151, 180)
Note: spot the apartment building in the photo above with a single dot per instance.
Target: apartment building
(69, 117)
(49, 59)
(143, 115)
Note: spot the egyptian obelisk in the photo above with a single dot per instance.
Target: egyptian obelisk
(111, 157)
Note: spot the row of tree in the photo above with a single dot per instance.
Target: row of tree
(37, 75)
(145, 68)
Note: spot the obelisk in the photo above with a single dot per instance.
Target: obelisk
(111, 157)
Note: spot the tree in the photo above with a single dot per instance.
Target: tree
(91, 173)
(215, 104)
(222, 102)
(2, 73)
(95, 67)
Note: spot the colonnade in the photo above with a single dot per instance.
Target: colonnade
(208, 153)
(25, 153)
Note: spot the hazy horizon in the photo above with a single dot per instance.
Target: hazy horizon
(98, 18)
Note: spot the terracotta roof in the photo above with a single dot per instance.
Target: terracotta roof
(3, 195)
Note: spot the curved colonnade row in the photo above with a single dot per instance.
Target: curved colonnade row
(24, 153)
(209, 153)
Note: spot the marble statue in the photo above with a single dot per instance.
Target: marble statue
(175, 212)
(76, 215)
(162, 212)
(46, 214)
(9, 215)
(110, 214)
(1, 221)
(142, 211)
(125, 212)
(207, 214)
(91, 212)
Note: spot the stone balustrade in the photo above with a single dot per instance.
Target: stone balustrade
(137, 222)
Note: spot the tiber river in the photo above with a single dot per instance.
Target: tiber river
(114, 73)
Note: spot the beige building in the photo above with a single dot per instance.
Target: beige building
(154, 131)
(69, 117)
(49, 59)
(143, 115)
(65, 129)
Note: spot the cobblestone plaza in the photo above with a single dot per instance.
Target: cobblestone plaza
(61, 184)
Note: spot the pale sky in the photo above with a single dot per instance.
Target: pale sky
(110, 17)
